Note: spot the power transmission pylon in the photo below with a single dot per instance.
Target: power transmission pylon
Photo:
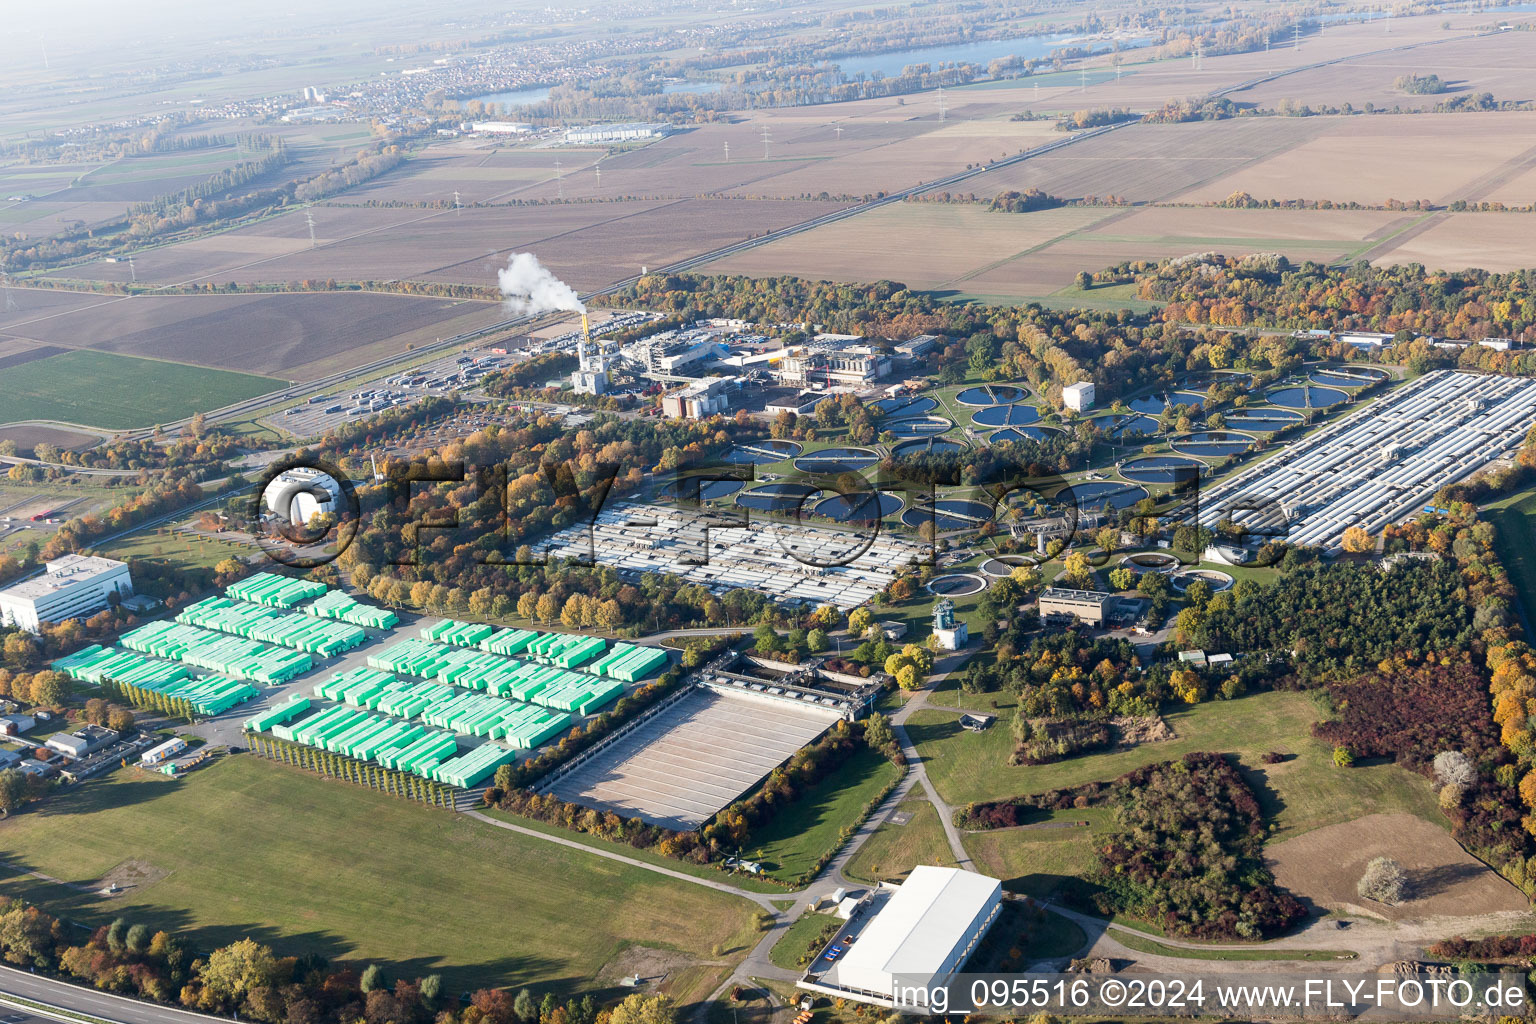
(309, 218)
(765, 142)
(559, 180)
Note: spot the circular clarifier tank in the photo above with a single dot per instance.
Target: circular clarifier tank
(1263, 420)
(859, 507)
(1005, 416)
(763, 452)
(837, 460)
(1153, 405)
(927, 446)
(1009, 434)
(776, 497)
(916, 426)
(1161, 469)
(1213, 444)
(1003, 565)
(957, 584)
(709, 490)
(1092, 494)
(1306, 397)
(911, 405)
(1219, 581)
(992, 394)
(1346, 376)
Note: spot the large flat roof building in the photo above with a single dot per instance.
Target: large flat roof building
(1087, 605)
(921, 936)
(72, 587)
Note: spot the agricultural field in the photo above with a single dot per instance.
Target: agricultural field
(420, 889)
(117, 392)
(1456, 241)
(480, 173)
(293, 334)
(29, 435)
(968, 250)
(1499, 63)
(1443, 879)
(1371, 159)
(588, 244)
(1152, 162)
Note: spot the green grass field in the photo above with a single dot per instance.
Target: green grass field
(115, 392)
(894, 850)
(791, 842)
(176, 548)
(1515, 541)
(799, 938)
(1300, 794)
(250, 848)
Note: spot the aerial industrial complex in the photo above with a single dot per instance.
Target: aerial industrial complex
(1382, 464)
(796, 563)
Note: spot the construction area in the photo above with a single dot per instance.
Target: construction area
(1382, 464)
(793, 563)
(689, 758)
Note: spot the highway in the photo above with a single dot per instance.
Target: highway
(75, 1000)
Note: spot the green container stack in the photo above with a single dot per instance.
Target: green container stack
(287, 629)
(94, 663)
(274, 591)
(411, 657)
(629, 662)
(401, 746)
(341, 606)
(565, 650)
(232, 656)
(457, 634)
(278, 715)
(508, 642)
(208, 695)
(474, 767)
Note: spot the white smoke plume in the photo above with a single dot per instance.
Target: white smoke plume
(529, 287)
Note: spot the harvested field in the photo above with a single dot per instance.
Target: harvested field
(41, 304)
(1324, 866)
(806, 156)
(1149, 162)
(1439, 157)
(924, 245)
(588, 244)
(1456, 241)
(1500, 64)
(224, 255)
(480, 174)
(28, 435)
(979, 252)
(296, 335)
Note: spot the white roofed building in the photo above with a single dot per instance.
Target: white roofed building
(921, 937)
(71, 587)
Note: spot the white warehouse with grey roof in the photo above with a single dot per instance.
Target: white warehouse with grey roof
(1382, 464)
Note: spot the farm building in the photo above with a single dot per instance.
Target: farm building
(71, 587)
(920, 937)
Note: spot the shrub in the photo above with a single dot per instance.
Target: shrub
(1384, 881)
(1187, 854)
